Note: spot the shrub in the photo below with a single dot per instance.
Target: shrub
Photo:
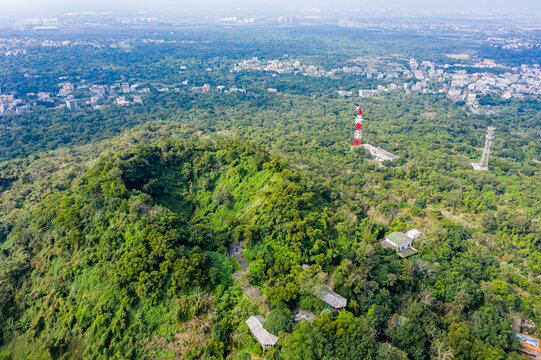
(278, 320)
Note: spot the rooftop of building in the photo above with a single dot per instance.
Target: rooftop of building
(264, 337)
(396, 237)
(332, 298)
(407, 252)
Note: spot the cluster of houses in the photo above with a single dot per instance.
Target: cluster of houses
(73, 98)
(422, 77)
(268, 340)
(525, 330)
(400, 241)
(8, 103)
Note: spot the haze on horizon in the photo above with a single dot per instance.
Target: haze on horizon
(427, 7)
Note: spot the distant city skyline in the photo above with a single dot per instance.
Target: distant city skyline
(422, 7)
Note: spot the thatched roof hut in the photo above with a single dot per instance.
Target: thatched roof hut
(332, 298)
(265, 338)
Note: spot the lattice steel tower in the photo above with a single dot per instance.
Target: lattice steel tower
(358, 136)
(483, 165)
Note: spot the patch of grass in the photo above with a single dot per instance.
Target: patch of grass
(19, 347)
(235, 263)
(223, 264)
(173, 194)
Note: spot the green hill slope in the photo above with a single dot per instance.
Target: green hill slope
(123, 256)
(95, 269)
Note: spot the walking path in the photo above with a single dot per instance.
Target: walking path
(251, 292)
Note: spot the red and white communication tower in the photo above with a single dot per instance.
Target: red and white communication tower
(358, 136)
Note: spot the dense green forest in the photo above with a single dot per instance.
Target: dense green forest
(115, 224)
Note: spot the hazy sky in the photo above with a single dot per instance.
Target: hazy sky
(407, 6)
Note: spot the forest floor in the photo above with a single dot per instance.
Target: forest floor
(460, 219)
(193, 335)
(253, 293)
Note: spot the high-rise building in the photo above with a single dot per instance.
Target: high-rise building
(72, 104)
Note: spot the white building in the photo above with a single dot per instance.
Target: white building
(401, 243)
(344, 93)
(367, 93)
(66, 89)
(72, 104)
(379, 154)
(414, 234)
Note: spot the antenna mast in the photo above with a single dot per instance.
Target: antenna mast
(483, 165)
(376, 153)
(358, 136)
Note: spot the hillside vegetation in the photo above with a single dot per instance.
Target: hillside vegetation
(115, 223)
(126, 260)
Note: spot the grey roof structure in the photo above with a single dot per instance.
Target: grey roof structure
(379, 154)
(265, 338)
(387, 244)
(332, 298)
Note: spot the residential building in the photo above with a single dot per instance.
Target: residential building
(344, 93)
(263, 337)
(121, 101)
(401, 242)
(66, 89)
(332, 298)
(72, 104)
(367, 93)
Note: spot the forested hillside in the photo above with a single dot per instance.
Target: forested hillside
(99, 267)
(127, 259)
(120, 226)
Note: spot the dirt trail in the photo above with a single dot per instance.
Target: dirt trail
(253, 293)
(192, 214)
